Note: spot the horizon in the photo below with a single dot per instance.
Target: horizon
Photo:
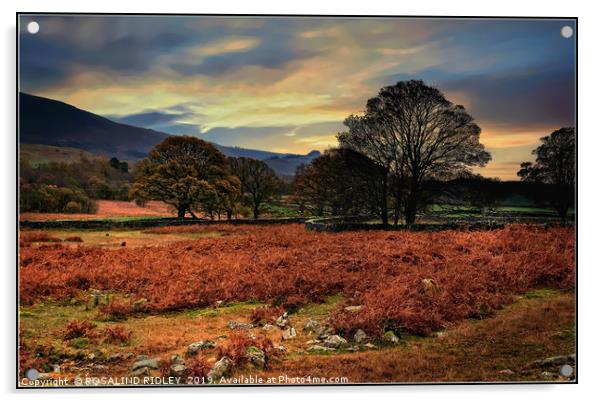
(285, 84)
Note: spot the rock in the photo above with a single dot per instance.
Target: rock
(195, 347)
(148, 363)
(280, 349)
(269, 327)
(282, 321)
(142, 371)
(115, 357)
(91, 357)
(177, 359)
(56, 368)
(506, 372)
(390, 337)
(219, 303)
(222, 368)
(313, 342)
(177, 370)
(353, 348)
(555, 361)
(256, 356)
(128, 356)
(430, 286)
(547, 374)
(239, 325)
(289, 333)
(360, 336)
(370, 346)
(353, 309)
(312, 326)
(325, 333)
(141, 357)
(319, 348)
(334, 341)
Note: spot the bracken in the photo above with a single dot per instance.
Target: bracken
(467, 273)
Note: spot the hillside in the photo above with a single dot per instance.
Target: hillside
(47, 122)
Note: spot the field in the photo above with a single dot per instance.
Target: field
(463, 306)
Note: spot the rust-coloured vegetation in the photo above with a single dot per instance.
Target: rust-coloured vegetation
(80, 328)
(116, 334)
(412, 282)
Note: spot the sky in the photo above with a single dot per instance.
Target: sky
(285, 84)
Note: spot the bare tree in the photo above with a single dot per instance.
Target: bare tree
(258, 182)
(432, 136)
(555, 166)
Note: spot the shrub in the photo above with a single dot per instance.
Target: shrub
(116, 334)
(116, 310)
(38, 237)
(50, 198)
(75, 239)
(80, 329)
(266, 314)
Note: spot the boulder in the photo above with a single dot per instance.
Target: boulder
(146, 363)
(334, 341)
(239, 325)
(312, 326)
(555, 361)
(222, 368)
(360, 336)
(177, 370)
(256, 356)
(390, 337)
(282, 321)
(195, 347)
(289, 333)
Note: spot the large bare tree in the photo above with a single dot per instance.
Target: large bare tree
(422, 134)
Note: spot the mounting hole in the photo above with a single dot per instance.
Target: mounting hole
(33, 27)
(566, 370)
(566, 31)
(32, 374)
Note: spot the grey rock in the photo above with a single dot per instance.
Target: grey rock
(128, 356)
(319, 348)
(289, 333)
(370, 346)
(325, 332)
(142, 371)
(353, 348)
(334, 341)
(360, 336)
(353, 309)
(312, 326)
(313, 342)
(239, 325)
(282, 321)
(177, 370)
(195, 347)
(269, 327)
(555, 361)
(115, 357)
(506, 372)
(256, 356)
(142, 357)
(222, 368)
(177, 359)
(148, 363)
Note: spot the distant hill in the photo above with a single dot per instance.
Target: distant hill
(38, 154)
(44, 121)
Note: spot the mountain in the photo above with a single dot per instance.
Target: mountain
(49, 122)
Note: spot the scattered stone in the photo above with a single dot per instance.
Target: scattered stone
(370, 346)
(325, 333)
(353, 348)
(221, 369)
(555, 361)
(177, 370)
(313, 342)
(256, 356)
(430, 286)
(239, 325)
(506, 372)
(289, 333)
(547, 374)
(177, 359)
(141, 357)
(282, 321)
(353, 309)
(91, 357)
(280, 349)
(219, 303)
(312, 326)
(390, 337)
(334, 341)
(319, 348)
(56, 368)
(115, 357)
(269, 327)
(360, 336)
(128, 356)
(148, 363)
(142, 371)
(195, 347)
(440, 334)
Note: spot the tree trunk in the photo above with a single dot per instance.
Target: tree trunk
(182, 211)
(256, 213)
(229, 215)
(384, 212)
(411, 205)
